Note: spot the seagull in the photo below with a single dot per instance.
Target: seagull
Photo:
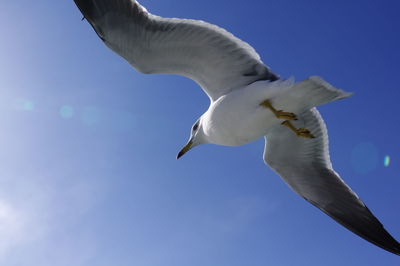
(247, 101)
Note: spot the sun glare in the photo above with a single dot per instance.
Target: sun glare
(10, 226)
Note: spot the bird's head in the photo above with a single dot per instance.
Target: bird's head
(197, 137)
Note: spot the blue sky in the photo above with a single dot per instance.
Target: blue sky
(88, 145)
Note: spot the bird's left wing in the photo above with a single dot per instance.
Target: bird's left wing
(304, 164)
(218, 61)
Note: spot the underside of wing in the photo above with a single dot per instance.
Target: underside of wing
(305, 166)
(213, 57)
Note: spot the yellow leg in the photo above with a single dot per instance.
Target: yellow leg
(278, 113)
(300, 132)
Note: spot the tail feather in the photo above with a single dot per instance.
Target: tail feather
(310, 93)
(319, 84)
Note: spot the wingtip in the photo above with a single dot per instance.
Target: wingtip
(374, 231)
(87, 8)
(395, 250)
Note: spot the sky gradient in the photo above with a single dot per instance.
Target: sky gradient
(88, 175)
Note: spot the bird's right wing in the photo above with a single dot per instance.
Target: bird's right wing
(304, 164)
(218, 61)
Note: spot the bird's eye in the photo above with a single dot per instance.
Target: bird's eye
(196, 126)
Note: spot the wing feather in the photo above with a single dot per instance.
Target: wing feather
(304, 164)
(214, 58)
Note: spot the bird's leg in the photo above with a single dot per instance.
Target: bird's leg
(300, 132)
(278, 113)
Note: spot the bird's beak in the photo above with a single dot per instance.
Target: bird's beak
(185, 149)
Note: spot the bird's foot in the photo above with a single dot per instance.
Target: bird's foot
(304, 133)
(300, 132)
(278, 113)
(285, 115)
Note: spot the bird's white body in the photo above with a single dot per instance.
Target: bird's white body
(238, 118)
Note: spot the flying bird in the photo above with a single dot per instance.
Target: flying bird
(247, 101)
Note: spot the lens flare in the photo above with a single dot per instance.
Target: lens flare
(386, 161)
(24, 105)
(67, 111)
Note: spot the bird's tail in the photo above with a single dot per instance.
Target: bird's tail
(310, 93)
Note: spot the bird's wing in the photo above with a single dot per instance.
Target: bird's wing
(213, 57)
(304, 164)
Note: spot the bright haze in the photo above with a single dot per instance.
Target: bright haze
(89, 175)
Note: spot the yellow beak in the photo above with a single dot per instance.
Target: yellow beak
(185, 149)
